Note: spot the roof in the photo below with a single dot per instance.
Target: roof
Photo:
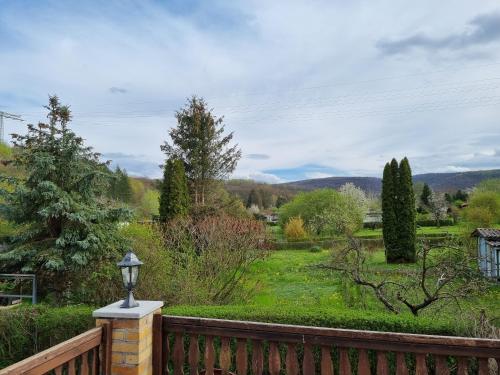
(493, 243)
(488, 233)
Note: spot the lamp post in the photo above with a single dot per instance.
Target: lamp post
(129, 267)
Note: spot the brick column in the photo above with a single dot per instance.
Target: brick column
(132, 336)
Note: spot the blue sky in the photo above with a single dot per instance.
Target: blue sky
(311, 88)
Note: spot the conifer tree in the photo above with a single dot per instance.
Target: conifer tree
(254, 199)
(406, 213)
(174, 195)
(426, 194)
(398, 212)
(120, 188)
(66, 225)
(389, 218)
(199, 141)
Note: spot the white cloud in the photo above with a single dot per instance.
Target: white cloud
(284, 74)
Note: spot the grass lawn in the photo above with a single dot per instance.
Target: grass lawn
(287, 278)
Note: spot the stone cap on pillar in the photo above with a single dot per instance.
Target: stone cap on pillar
(115, 311)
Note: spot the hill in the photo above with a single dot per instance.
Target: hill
(444, 182)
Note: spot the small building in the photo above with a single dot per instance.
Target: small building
(372, 219)
(488, 251)
(271, 218)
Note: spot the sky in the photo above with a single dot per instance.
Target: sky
(310, 88)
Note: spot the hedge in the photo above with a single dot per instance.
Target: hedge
(368, 241)
(433, 223)
(26, 330)
(325, 317)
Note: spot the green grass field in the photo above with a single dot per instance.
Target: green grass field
(288, 278)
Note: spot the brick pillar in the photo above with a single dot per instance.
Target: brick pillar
(132, 336)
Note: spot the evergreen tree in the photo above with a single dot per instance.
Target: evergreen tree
(406, 214)
(174, 195)
(66, 225)
(389, 219)
(199, 141)
(280, 201)
(120, 188)
(426, 194)
(254, 199)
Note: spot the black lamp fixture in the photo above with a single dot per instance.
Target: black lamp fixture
(129, 266)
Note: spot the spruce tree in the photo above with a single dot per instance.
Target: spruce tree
(426, 194)
(406, 213)
(389, 219)
(174, 195)
(199, 141)
(66, 225)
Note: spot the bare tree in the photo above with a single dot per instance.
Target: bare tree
(444, 273)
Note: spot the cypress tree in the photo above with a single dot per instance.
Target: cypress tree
(254, 198)
(426, 194)
(406, 213)
(389, 219)
(174, 195)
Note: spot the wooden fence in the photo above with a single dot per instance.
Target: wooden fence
(85, 354)
(257, 348)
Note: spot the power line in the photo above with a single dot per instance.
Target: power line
(9, 116)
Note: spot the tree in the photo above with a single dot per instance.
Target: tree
(443, 276)
(407, 229)
(426, 194)
(254, 199)
(120, 188)
(398, 212)
(174, 195)
(438, 207)
(389, 219)
(199, 141)
(66, 222)
(324, 211)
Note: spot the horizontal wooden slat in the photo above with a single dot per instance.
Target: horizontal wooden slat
(57, 355)
(398, 342)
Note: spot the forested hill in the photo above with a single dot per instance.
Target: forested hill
(437, 181)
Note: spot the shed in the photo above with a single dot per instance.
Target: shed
(488, 251)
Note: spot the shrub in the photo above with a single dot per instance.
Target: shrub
(479, 217)
(294, 229)
(210, 257)
(433, 223)
(315, 249)
(25, 330)
(326, 317)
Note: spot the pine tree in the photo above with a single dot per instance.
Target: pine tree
(406, 213)
(199, 141)
(174, 195)
(65, 224)
(426, 194)
(389, 219)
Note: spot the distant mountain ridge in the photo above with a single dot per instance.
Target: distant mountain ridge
(443, 182)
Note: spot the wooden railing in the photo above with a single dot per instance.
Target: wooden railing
(246, 347)
(85, 354)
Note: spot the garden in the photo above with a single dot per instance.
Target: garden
(68, 218)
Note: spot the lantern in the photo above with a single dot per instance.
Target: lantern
(129, 267)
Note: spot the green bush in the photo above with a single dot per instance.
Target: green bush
(26, 330)
(315, 249)
(433, 223)
(325, 317)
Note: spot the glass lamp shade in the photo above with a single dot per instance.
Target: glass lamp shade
(129, 267)
(129, 276)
